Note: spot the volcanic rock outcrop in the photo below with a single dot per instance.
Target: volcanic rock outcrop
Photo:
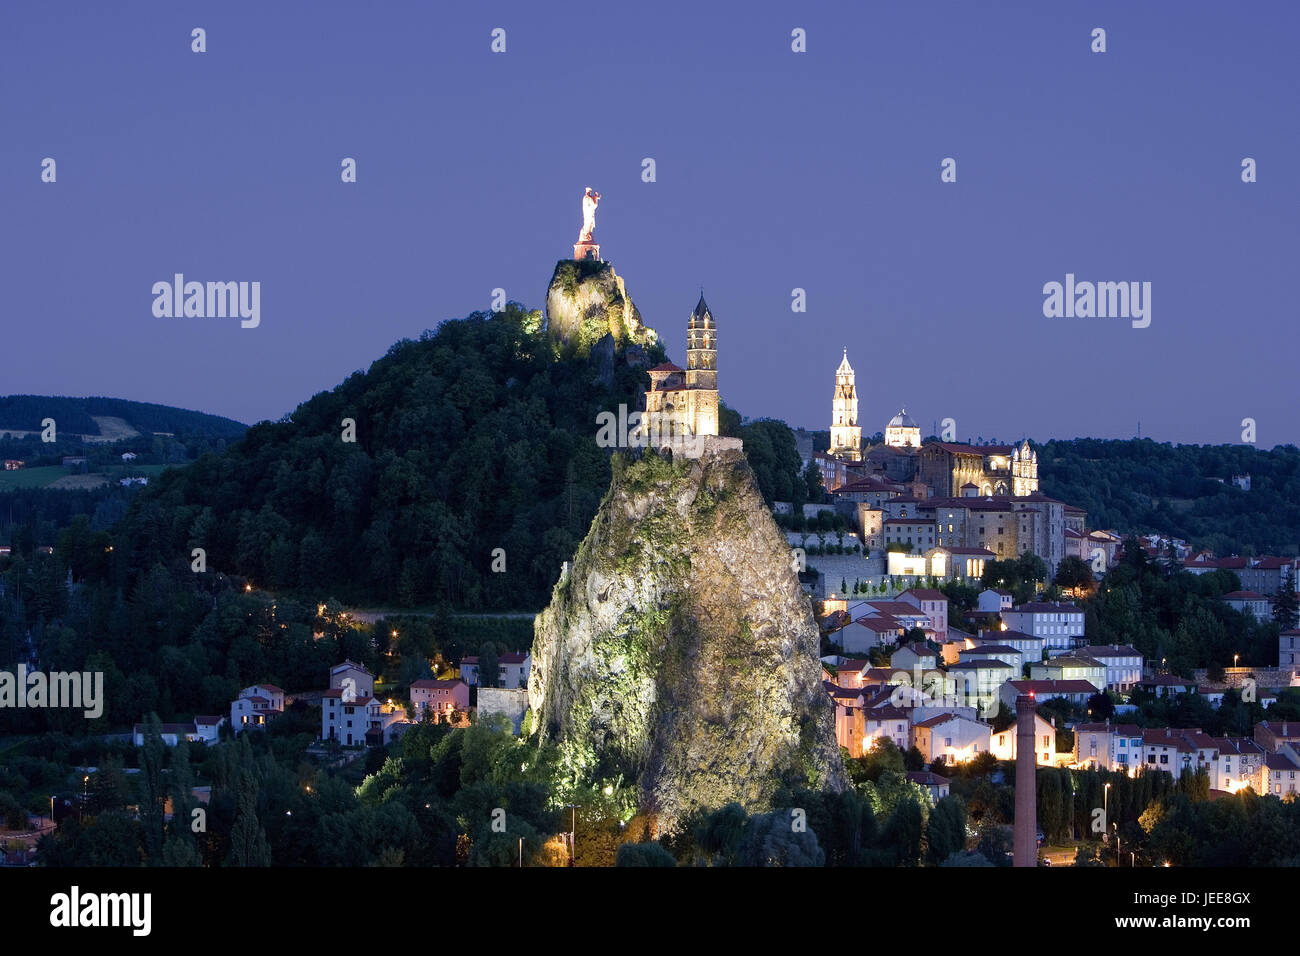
(588, 300)
(679, 648)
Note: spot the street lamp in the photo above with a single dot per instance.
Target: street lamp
(1234, 659)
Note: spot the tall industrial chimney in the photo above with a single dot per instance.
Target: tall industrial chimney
(1025, 851)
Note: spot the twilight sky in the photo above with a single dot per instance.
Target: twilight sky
(775, 170)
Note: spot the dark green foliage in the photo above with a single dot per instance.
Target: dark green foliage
(25, 412)
(773, 455)
(946, 830)
(644, 854)
(1177, 618)
(1142, 485)
(471, 438)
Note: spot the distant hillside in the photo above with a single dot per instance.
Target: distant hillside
(79, 416)
(1139, 485)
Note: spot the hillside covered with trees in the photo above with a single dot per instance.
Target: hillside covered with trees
(26, 412)
(473, 438)
(1139, 486)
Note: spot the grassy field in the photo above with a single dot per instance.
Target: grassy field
(56, 476)
(31, 477)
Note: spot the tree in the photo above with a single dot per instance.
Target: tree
(904, 831)
(770, 839)
(1074, 574)
(1286, 608)
(152, 797)
(489, 665)
(946, 830)
(248, 843)
(643, 854)
(1100, 706)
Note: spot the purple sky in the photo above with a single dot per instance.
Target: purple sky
(775, 170)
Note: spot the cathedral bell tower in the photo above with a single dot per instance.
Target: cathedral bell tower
(846, 435)
(702, 348)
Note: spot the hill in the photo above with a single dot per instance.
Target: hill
(473, 475)
(1139, 485)
(110, 419)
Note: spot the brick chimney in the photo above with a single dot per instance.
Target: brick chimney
(1025, 845)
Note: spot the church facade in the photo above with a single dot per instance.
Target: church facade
(683, 403)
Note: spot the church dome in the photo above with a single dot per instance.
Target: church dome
(902, 420)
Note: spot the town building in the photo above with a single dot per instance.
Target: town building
(442, 701)
(938, 787)
(950, 738)
(202, 729)
(1059, 624)
(1123, 664)
(1070, 668)
(255, 706)
(1107, 746)
(513, 668)
(1002, 743)
(1075, 691)
(1248, 602)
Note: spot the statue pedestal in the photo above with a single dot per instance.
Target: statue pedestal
(586, 250)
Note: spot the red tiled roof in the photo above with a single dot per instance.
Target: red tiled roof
(666, 367)
(926, 779)
(1049, 688)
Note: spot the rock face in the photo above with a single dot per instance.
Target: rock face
(679, 649)
(588, 300)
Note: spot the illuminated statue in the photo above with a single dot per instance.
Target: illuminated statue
(589, 201)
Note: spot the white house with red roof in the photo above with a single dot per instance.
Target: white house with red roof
(994, 601)
(1002, 743)
(1107, 746)
(255, 706)
(911, 656)
(441, 700)
(513, 668)
(1248, 602)
(933, 604)
(1075, 691)
(907, 614)
(202, 729)
(1281, 773)
(873, 630)
(951, 738)
(937, 786)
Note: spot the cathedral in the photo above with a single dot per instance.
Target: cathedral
(684, 402)
(846, 436)
(935, 469)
